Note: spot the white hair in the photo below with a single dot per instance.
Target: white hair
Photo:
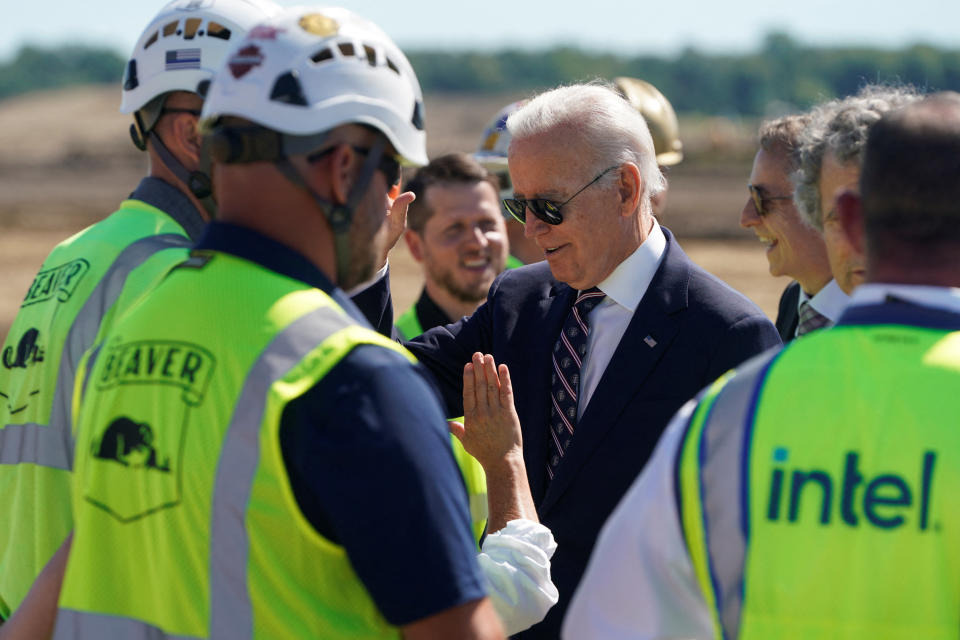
(601, 121)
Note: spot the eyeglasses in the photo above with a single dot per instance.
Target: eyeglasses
(546, 210)
(388, 165)
(759, 200)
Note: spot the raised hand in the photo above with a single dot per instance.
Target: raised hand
(491, 429)
(491, 433)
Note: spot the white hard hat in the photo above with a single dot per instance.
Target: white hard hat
(184, 45)
(308, 70)
(492, 152)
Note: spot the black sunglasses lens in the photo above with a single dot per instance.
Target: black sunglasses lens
(517, 208)
(546, 211)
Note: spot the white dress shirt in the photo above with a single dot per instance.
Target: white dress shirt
(640, 581)
(830, 302)
(624, 288)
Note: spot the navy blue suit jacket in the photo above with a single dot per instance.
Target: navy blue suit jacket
(699, 327)
(788, 315)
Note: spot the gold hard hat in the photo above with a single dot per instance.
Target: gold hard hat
(659, 115)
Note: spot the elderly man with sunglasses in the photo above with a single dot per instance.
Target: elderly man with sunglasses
(595, 383)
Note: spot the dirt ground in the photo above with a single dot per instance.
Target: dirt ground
(741, 264)
(66, 160)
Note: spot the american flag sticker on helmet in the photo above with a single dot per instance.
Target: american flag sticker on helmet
(183, 59)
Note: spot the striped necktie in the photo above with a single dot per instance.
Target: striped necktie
(568, 354)
(811, 319)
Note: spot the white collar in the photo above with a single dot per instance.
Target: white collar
(629, 281)
(946, 298)
(830, 301)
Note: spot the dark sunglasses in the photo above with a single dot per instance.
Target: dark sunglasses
(388, 165)
(760, 200)
(546, 210)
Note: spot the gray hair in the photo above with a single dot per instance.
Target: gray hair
(783, 135)
(605, 124)
(840, 127)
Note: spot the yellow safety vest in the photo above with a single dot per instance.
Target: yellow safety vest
(81, 286)
(819, 488)
(186, 521)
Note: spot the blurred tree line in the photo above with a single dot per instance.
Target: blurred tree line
(783, 74)
(34, 68)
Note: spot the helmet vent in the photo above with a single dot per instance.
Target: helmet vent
(152, 39)
(371, 55)
(130, 81)
(417, 120)
(346, 48)
(287, 89)
(170, 28)
(322, 56)
(392, 66)
(217, 30)
(190, 28)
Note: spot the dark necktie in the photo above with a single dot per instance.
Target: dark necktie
(568, 355)
(810, 319)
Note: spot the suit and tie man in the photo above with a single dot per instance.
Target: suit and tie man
(792, 247)
(661, 121)
(456, 233)
(763, 515)
(609, 335)
(831, 150)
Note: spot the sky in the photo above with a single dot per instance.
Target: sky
(625, 27)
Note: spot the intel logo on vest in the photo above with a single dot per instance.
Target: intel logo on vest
(885, 500)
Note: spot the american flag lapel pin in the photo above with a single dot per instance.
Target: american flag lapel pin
(650, 341)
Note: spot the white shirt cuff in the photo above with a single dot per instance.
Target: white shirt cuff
(516, 564)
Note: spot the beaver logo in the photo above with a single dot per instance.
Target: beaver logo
(152, 389)
(27, 352)
(131, 444)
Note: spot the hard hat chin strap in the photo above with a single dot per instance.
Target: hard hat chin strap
(339, 216)
(199, 182)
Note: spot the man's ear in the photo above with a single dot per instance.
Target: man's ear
(341, 176)
(850, 211)
(414, 243)
(185, 141)
(629, 188)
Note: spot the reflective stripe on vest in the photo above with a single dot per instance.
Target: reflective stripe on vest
(231, 614)
(723, 511)
(78, 624)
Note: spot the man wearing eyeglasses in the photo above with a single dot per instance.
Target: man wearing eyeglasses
(595, 383)
(813, 300)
